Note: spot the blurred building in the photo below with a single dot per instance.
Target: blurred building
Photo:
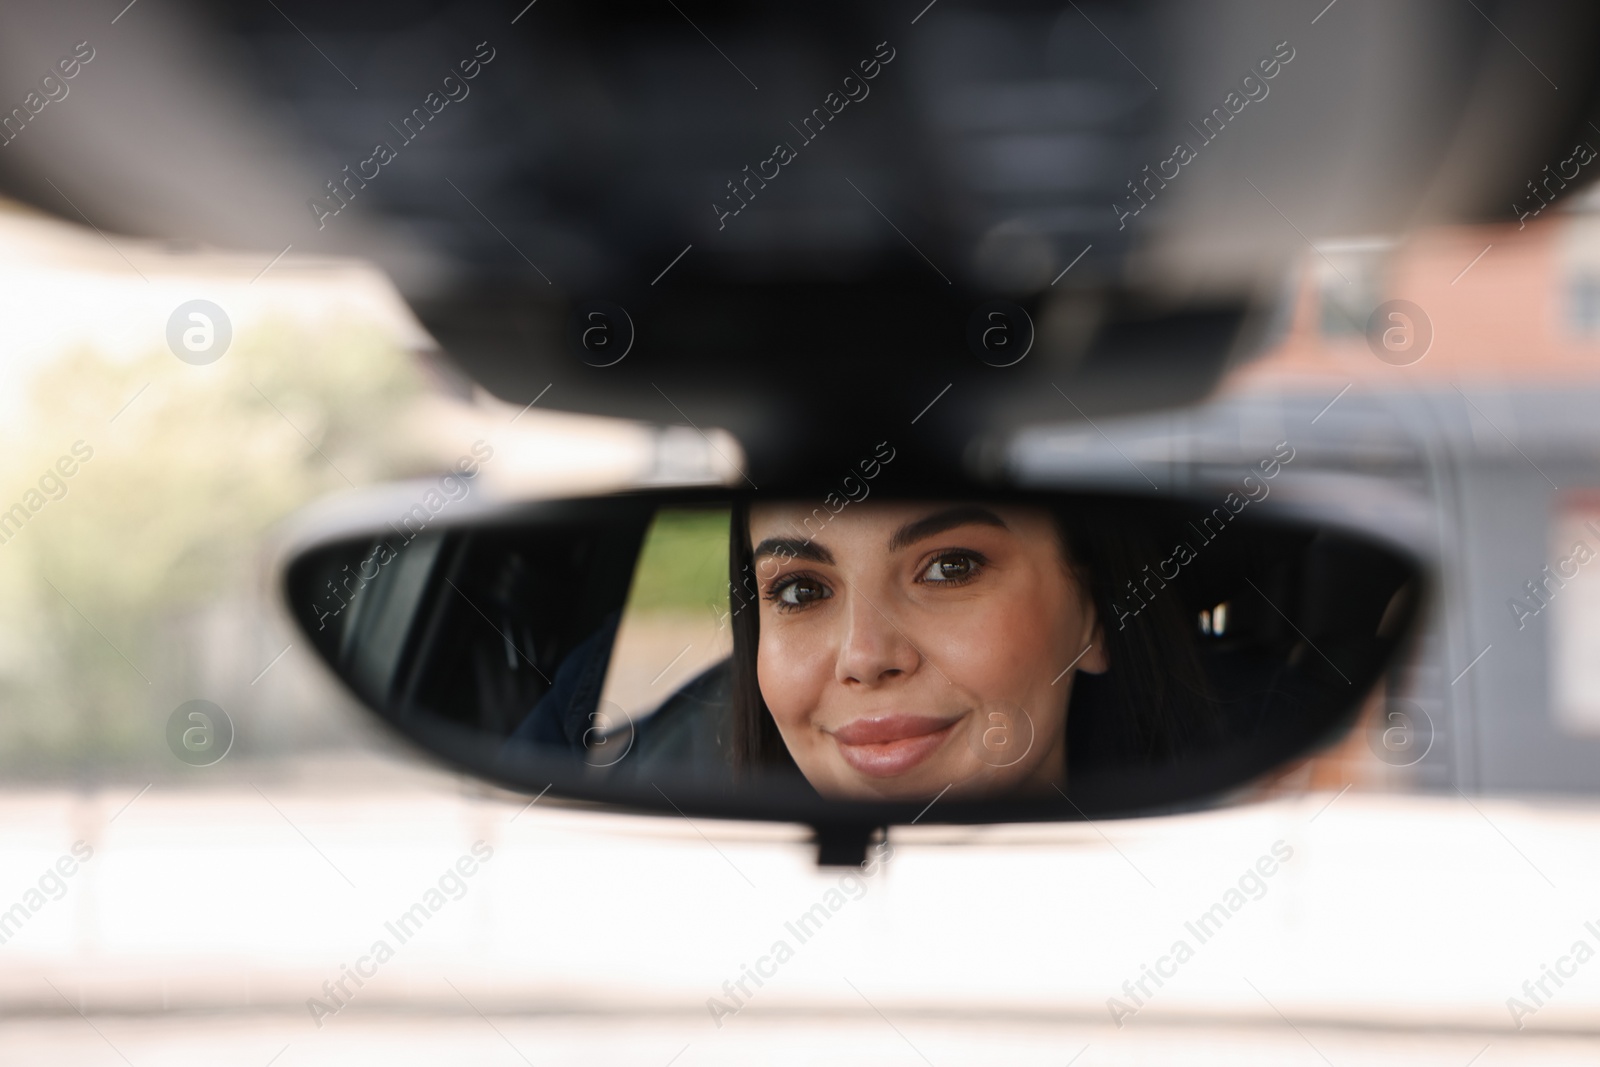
(1509, 309)
(1484, 399)
(1465, 420)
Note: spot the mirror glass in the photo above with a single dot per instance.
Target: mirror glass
(1055, 653)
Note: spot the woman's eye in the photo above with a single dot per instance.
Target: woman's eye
(950, 569)
(800, 591)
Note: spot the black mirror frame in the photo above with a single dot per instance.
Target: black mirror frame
(844, 829)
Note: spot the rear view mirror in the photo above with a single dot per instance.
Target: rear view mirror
(1027, 656)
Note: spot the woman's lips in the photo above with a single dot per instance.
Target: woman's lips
(891, 744)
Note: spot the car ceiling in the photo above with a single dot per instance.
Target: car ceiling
(983, 165)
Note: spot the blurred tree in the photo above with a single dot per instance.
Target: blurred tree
(109, 590)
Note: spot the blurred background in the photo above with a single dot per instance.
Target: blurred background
(1439, 858)
(1423, 892)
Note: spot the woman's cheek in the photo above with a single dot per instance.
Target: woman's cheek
(788, 674)
(1007, 649)
(990, 650)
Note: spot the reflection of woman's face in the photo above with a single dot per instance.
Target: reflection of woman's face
(902, 644)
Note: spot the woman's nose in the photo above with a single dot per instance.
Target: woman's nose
(873, 648)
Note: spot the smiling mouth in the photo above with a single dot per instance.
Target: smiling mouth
(885, 746)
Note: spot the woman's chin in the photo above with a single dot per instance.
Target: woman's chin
(923, 783)
(949, 779)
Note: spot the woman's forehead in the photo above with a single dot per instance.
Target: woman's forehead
(815, 520)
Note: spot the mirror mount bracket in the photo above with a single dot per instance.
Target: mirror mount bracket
(843, 844)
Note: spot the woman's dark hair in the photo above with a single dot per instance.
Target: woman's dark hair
(1153, 700)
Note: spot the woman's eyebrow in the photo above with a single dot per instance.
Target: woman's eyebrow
(792, 548)
(941, 521)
